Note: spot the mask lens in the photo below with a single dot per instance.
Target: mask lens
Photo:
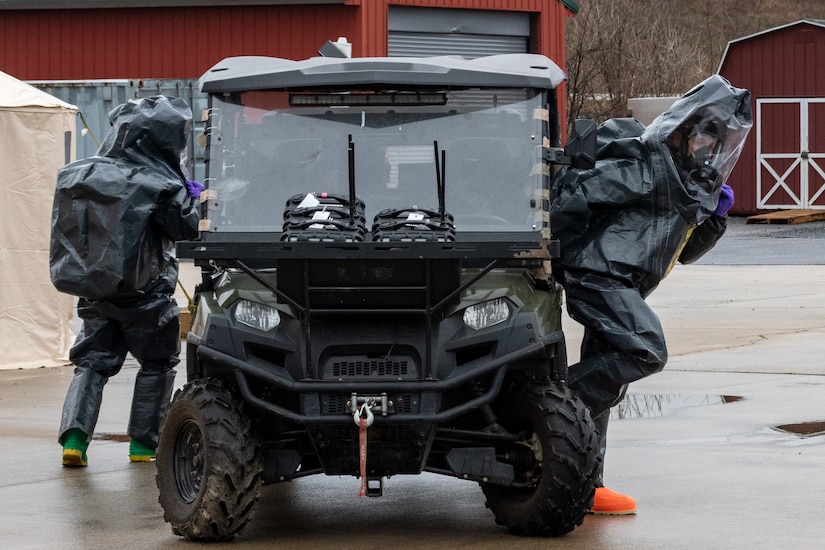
(697, 141)
(702, 147)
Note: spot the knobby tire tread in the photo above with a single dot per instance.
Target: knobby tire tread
(570, 445)
(232, 474)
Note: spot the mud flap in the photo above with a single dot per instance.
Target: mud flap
(480, 464)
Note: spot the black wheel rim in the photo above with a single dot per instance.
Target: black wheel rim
(189, 461)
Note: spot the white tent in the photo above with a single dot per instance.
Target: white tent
(36, 138)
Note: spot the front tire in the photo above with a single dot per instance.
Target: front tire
(555, 489)
(209, 463)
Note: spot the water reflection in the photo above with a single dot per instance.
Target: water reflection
(119, 438)
(647, 406)
(804, 429)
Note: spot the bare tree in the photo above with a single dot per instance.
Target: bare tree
(617, 49)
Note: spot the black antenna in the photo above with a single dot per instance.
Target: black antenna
(439, 178)
(442, 194)
(351, 163)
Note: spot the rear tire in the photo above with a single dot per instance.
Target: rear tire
(209, 464)
(556, 490)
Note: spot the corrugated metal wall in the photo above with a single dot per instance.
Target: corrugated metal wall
(161, 43)
(417, 31)
(94, 100)
(547, 22)
(783, 63)
(95, 44)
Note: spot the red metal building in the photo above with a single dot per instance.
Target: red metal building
(783, 163)
(98, 53)
(43, 40)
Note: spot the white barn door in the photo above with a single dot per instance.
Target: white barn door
(790, 153)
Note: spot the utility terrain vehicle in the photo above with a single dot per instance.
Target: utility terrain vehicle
(376, 296)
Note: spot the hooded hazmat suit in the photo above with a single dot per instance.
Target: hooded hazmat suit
(649, 201)
(115, 220)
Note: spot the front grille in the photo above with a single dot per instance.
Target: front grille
(372, 367)
(404, 403)
(335, 404)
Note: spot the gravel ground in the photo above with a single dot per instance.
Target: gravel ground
(769, 244)
(738, 227)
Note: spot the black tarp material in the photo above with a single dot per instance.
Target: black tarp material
(623, 224)
(117, 214)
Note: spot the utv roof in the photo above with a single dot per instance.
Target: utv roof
(237, 74)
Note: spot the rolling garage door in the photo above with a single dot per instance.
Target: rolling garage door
(428, 32)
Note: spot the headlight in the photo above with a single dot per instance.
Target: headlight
(486, 314)
(198, 327)
(257, 316)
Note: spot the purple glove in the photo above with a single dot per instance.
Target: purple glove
(725, 201)
(195, 188)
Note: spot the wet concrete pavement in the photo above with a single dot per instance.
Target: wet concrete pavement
(706, 474)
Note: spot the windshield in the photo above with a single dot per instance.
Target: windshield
(267, 147)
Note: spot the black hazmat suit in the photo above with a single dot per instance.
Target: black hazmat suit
(115, 220)
(624, 223)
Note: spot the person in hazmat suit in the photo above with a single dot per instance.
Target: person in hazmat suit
(656, 195)
(115, 219)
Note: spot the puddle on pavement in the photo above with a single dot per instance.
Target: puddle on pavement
(119, 438)
(803, 429)
(648, 406)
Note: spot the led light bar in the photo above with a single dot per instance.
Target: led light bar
(366, 99)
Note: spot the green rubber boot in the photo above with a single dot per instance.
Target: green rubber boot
(74, 448)
(138, 452)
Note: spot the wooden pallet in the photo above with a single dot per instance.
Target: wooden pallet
(788, 216)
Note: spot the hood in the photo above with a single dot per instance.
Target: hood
(701, 136)
(159, 126)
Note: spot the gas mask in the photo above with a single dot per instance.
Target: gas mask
(696, 148)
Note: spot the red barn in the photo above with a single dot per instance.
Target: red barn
(783, 163)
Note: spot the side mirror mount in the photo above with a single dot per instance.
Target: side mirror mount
(581, 147)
